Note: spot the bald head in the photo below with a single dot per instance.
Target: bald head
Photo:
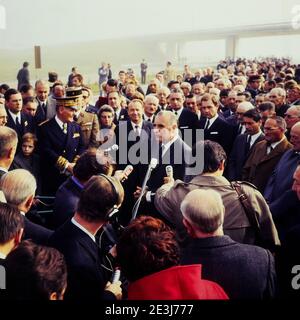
(204, 210)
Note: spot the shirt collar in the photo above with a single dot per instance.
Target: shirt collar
(178, 112)
(59, 122)
(212, 120)
(274, 144)
(169, 143)
(14, 116)
(3, 169)
(136, 124)
(2, 256)
(83, 229)
(255, 136)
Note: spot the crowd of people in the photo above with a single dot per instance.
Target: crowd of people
(191, 188)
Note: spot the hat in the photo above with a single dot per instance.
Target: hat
(72, 99)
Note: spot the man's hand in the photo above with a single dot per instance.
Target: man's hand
(115, 288)
(70, 167)
(168, 180)
(120, 175)
(137, 192)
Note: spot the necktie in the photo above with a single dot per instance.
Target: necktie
(44, 107)
(18, 124)
(207, 124)
(240, 129)
(269, 148)
(65, 128)
(137, 131)
(248, 144)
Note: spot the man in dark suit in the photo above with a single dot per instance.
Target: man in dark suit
(115, 102)
(187, 120)
(150, 108)
(266, 154)
(169, 149)
(244, 143)
(134, 140)
(43, 111)
(67, 196)
(88, 271)
(281, 179)
(60, 144)
(215, 129)
(20, 122)
(8, 147)
(224, 261)
(23, 76)
(19, 188)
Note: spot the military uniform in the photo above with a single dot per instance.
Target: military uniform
(57, 149)
(89, 128)
(236, 224)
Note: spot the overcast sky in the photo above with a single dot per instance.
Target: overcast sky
(48, 22)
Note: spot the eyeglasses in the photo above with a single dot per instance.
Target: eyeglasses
(289, 116)
(270, 129)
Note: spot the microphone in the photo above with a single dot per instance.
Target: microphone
(152, 165)
(127, 171)
(114, 147)
(169, 171)
(116, 275)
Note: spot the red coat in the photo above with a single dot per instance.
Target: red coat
(176, 283)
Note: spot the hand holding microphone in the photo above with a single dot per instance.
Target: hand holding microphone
(169, 172)
(123, 175)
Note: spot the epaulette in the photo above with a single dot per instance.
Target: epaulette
(246, 183)
(40, 124)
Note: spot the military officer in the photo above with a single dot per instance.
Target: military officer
(61, 143)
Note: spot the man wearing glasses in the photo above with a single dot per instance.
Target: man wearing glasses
(266, 154)
(291, 117)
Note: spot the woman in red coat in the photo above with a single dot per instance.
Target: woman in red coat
(148, 255)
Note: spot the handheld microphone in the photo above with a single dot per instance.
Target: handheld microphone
(127, 171)
(152, 165)
(169, 171)
(116, 275)
(114, 147)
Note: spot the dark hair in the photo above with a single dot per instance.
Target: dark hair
(34, 272)
(25, 88)
(252, 114)
(4, 86)
(224, 92)
(112, 83)
(9, 93)
(29, 99)
(190, 96)
(25, 64)
(146, 246)
(99, 195)
(271, 83)
(170, 83)
(213, 155)
(88, 166)
(11, 222)
(266, 106)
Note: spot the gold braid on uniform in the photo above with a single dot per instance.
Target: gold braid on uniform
(61, 163)
(76, 158)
